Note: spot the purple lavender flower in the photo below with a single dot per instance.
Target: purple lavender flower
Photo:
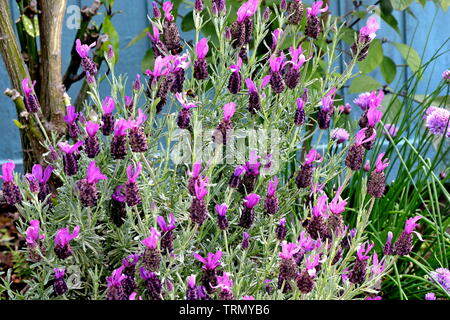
(191, 291)
(305, 280)
(391, 130)
(281, 229)
(210, 264)
(119, 140)
(59, 285)
(129, 270)
(387, 249)
(38, 180)
(254, 100)
(115, 287)
(108, 117)
(156, 11)
(198, 211)
(200, 66)
(171, 34)
(266, 14)
(430, 296)
(70, 120)
(403, 245)
(87, 187)
(304, 176)
(138, 139)
(366, 35)
(288, 267)
(224, 283)
(152, 283)
(251, 173)
(167, 237)
(446, 75)
(34, 241)
(339, 135)
(31, 101)
(70, 159)
(356, 151)
(295, 12)
(377, 180)
(313, 23)
(63, 250)
(177, 71)
(373, 117)
(224, 130)
(222, 221)
(326, 111)
(294, 65)
(235, 80)
(248, 212)
(198, 5)
(118, 210)
(194, 176)
(276, 78)
(299, 118)
(88, 65)
(442, 277)
(276, 35)
(437, 121)
(159, 48)
(184, 117)
(316, 227)
(235, 180)
(245, 240)
(336, 207)
(271, 203)
(91, 143)
(346, 108)
(131, 189)
(152, 257)
(358, 274)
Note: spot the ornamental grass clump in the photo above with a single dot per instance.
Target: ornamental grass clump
(253, 188)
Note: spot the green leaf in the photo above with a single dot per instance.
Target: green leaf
(348, 35)
(18, 124)
(388, 69)
(391, 107)
(364, 83)
(390, 20)
(374, 57)
(187, 24)
(147, 61)
(113, 37)
(401, 4)
(410, 55)
(29, 26)
(444, 4)
(138, 38)
(422, 2)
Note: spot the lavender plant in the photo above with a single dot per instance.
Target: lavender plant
(198, 187)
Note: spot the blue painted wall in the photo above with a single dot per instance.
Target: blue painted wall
(133, 19)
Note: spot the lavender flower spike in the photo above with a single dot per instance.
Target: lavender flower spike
(108, 118)
(200, 66)
(248, 212)
(167, 237)
(404, 243)
(59, 285)
(70, 161)
(152, 258)
(271, 203)
(70, 119)
(63, 250)
(210, 264)
(31, 101)
(221, 210)
(92, 145)
(11, 191)
(87, 187)
(131, 188)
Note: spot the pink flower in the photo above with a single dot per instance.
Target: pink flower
(160, 67)
(27, 90)
(251, 85)
(297, 56)
(200, 188)
(311, 263)
(320, 209)
(276, 62)
(212, 260)
(316, 8)
(374, 115)
(339, 135)
(63, 236)
(94, 174)
(155, 36)
(202, 48)
(370, 28)
(167, 8)
(247, 9)
(71, 116)
(327, 101)
(272, 187)
(411, 224)
(251, 200)
(32, 233)
(182, 98)
(133, 172)
(361, 137)
(363, 251)
(221, 209)
(67, 148)
(337, 205)
(228, 111)
(108, 105)
(166, 227)
(196, 168)
(236, 67)
(313, 156)
(92, 128)
(377, 266)
(391, 129)
(288, 250)
(152, 241)
(120, 127)
(140, 119)
(7, 171)
(276, 34)
(83, 49)
(380, 163)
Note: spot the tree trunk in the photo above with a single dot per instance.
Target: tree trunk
(17, 70)
(51, 20)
